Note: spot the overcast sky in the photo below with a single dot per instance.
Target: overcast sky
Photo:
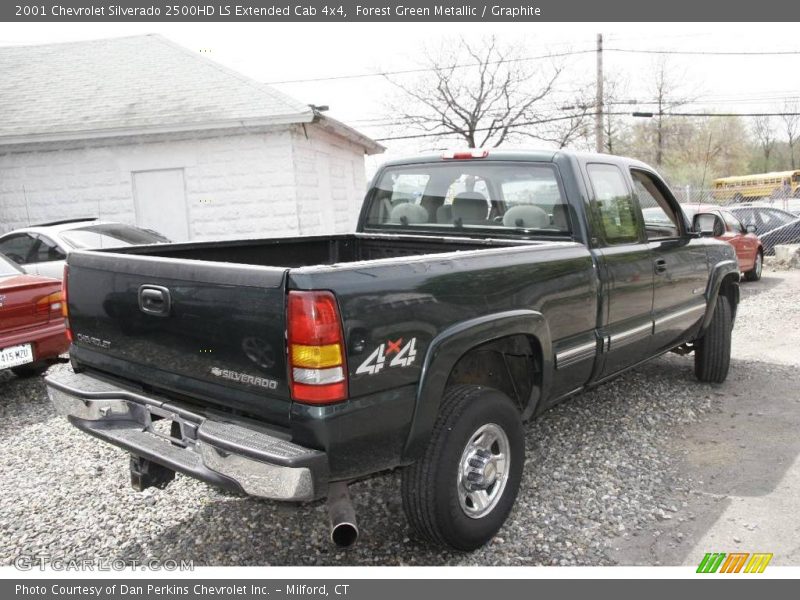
(279, 52)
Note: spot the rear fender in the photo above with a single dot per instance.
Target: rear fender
(450, 345)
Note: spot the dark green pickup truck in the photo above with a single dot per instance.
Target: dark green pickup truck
(479, 289)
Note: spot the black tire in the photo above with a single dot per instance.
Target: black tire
(30, 370)
(712, 352)
(755, 273)
(431, 488)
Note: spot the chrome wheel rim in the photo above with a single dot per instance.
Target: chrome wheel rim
(483, 471)
(759, 264)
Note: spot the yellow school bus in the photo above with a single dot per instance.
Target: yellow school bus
(781, 184)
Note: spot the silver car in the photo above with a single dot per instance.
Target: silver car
(42, 249)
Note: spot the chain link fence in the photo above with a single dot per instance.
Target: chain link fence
(775, 220)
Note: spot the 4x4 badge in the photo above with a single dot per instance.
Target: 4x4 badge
(404, 356)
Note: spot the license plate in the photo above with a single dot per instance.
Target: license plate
(15, 356)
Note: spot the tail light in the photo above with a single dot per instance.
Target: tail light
(64, 302)
(318, 373)
(50, 305)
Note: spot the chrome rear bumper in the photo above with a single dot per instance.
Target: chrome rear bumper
(222, 452)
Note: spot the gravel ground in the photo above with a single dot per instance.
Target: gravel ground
(600, 468)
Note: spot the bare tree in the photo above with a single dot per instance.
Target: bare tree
(574, 126)
(791, 126)
(483, 93)
(666, 87)
(614, 89)
(765, 137)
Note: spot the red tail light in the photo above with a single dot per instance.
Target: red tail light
(317, 369)
(64, 307)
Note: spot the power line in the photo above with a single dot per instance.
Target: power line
(710, 52)
(715, 114)
(542, 57)
(428, 69)
(513, 126)
(572, 116)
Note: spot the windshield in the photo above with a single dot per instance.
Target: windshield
(8, 268)
(110, 236)
(470, 197)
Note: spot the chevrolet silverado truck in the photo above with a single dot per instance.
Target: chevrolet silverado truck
(479, 289)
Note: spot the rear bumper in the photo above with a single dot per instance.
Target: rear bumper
(222, 452)
(49, 340)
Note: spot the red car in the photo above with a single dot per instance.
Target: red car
(749, 250)
(32, 330)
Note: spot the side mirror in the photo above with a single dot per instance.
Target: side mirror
(751, 228)
(708, 225)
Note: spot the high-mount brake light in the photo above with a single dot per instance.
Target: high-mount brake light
(317, 370)
(466, 154)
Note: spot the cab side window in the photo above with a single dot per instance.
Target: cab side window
(614, 204)
(660, 220)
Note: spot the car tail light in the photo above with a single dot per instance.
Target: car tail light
(466, 154)
(50, 304)
(64, 302)
(318, 373)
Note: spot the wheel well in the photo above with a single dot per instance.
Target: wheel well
(730, 289)
(511, 364)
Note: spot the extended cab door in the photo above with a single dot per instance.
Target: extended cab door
(626, 269)
(679, 263)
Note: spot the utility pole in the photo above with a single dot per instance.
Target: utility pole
(598, 107)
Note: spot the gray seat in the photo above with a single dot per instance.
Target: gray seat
(526, 216)
(444, 214)
(470, 207)
(560, 219)
(407, 213)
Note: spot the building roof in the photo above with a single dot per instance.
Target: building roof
(132, 86)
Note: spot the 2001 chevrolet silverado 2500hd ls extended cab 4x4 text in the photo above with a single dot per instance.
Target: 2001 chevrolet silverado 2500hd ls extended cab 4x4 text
(479, 289)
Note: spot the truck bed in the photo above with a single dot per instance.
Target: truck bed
(313, 251)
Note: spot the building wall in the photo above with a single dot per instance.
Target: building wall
(265, 183)
(330, 181)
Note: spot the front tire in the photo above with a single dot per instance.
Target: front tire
(460, 492)
(755, 273)
(712, 352)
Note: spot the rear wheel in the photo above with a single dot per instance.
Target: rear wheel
(30, 370)
(712, 352)
(755, 273)
(461, 491)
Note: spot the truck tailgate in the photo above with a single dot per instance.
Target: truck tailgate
(212, 332)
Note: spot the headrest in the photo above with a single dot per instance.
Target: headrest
(406, 213)
(470, 206)
(527, 216)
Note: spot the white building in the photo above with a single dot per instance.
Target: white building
(143, 131)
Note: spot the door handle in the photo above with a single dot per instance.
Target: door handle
(660, 265)
(154, 300)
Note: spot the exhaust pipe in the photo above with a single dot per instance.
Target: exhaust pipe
(344, 531)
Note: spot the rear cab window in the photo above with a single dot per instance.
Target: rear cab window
(491, 198)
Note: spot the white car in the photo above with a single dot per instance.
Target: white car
(42, 249)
